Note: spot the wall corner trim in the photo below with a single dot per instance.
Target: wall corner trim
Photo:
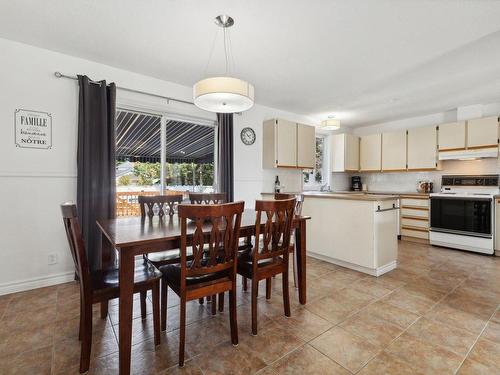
(36, 282)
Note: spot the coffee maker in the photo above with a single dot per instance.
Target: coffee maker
(356, 183)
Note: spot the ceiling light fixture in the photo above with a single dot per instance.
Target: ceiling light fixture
(224, 94)
(331, 123)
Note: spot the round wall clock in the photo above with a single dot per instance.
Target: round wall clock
(247, 136)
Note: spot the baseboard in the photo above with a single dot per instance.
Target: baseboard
(414, 239)
(370, 271)
(36, 282)
(497, 253)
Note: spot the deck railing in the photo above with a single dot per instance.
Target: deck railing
(127, 202)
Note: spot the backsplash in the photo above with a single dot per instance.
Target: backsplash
(407, 181)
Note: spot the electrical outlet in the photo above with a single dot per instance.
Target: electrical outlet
(52, 259)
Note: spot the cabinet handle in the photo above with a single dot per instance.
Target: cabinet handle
(387, 209)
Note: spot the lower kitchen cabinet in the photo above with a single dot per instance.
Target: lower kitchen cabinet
(414, 217)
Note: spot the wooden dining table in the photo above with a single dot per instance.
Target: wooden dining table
(134, 236)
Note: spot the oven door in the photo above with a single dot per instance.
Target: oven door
(469, 216)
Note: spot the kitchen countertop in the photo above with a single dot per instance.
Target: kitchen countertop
(358, 196)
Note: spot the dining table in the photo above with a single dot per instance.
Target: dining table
(124, 238)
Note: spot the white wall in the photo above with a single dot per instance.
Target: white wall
(407, 181)
(33, 182)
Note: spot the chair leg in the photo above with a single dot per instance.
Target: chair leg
(255, 289)
(245, 284)
(156, 311)
(86, 345)
(221, 302)
(143, 305)
(286, 295)
(163, 310)
(268, 288)
(214, 304)
(182, 331)
(201, 300)
(104, 309)
(295, 274)
(81, 328)
(209, 298)
(232, 315)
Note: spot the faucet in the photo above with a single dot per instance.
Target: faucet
(324, 187)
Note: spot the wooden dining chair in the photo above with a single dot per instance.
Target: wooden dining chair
(164, 207)
(102, 285)
(217, 228)
(207, 198)
(269, 255)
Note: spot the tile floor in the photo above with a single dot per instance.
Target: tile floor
(438, 313)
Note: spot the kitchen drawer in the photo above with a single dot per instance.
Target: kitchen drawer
(408, 232)
(415, 202)
(405, 221)
(405, 211)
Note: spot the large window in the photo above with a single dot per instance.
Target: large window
(315, 178)
(156, 154)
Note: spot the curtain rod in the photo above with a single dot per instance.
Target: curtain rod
(60, 75)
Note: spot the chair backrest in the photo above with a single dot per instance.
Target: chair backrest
(299, 200)
(276, 217)
(207, 198)
(214, 242)
(76, 245)
(162, 204)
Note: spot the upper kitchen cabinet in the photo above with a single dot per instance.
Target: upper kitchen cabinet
(344, 151)
(482, 133)
(306, 146)
(370, 153)
(422, 148)
(287, 144)
(394, 151)
(452, 136)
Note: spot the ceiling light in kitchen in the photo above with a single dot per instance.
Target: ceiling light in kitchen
(331, 123)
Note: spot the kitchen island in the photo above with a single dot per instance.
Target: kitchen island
(353, 230)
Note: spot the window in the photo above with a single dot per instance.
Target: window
(186, 154)
(315, 178)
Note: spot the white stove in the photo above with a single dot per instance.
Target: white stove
(463, 213)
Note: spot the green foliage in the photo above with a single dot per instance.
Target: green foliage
(175, 173)
(124, 180)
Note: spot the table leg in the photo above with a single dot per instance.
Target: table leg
(126, 303)
(300, 254)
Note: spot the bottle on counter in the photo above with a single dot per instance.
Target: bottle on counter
(277, 185)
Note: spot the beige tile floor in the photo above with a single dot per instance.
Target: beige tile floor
(438, 313)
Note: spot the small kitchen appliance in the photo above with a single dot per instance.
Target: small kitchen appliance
(356, 183)
(462, 215)
(425, 186)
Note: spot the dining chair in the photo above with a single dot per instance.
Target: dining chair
(164, 207)
(269, 255)
(103, 285)
(207, 198)
(211, 271)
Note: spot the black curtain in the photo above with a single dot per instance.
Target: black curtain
(225, 157)
(96, 161)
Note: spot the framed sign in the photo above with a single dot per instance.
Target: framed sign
(33, 129)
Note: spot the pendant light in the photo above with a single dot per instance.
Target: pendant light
(331, 123)
(223, 94)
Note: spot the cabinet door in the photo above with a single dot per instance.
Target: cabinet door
(337, 152)
(497, 229)
(370, 152)
(482, 132)
(306, 146)
(422, 148)
(451, 136)
(286, 143)
(351, 155)
(394, 151)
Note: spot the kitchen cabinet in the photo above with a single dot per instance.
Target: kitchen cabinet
(482, 133)
(394, 151)
(306, 146)
(414, 211)
(370, 153)
(452, 136)
(282, 147)
(497, 229)
(344, 151)
(422, 149)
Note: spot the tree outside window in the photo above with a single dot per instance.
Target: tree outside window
(316, 176)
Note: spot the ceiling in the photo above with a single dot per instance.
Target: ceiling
(364, 61)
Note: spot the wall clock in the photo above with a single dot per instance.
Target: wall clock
(247, 136)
